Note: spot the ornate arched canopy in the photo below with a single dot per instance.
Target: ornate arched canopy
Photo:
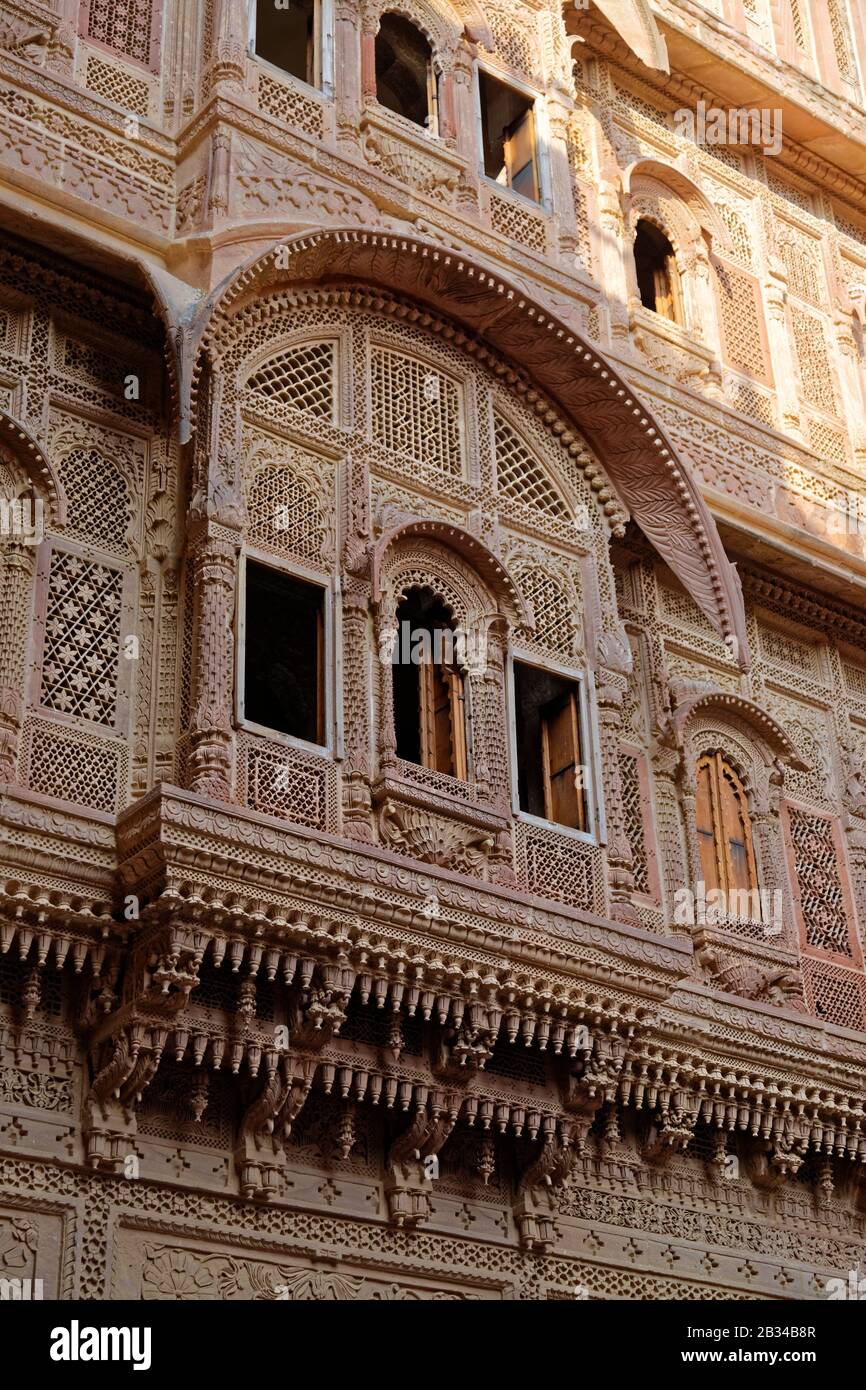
(581, 386)
(745, 711)
(34, 463)
(682, 187)
(491, 570)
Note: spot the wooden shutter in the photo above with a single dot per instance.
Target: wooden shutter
(564, 800)
(520, 160)
(736, 830)
(723, 827)
(443, 720)
(706, 825)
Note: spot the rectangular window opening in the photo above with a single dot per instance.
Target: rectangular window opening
(284, 658)
(551, 773)
(509, 137)
(289, 36)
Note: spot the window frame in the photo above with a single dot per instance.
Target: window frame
(432, 130)
(325, 14)
(328, 673)
(541, 137)
(587, 727)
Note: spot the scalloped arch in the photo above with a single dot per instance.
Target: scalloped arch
(35, 463)
(726, 705)
(581, 389)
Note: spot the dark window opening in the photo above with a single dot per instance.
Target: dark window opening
(859, 338)
(406, 82)
(509, 137)
(429, 691)
(284, 654)
(551, 776)
(657, 275)
(290, 38)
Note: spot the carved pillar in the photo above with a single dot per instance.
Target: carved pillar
(386, 632)
(347, 70)
(666, 763)
(490, 746)
(704, 317)
(465, 121)
(850, 371)
(784, 367)
(610, 690)
(218, 172)
(368, 57)
(225, 73)
(447, 121)
(614, 247)
(16, 583)
(560, 108)
(357, 769)
(210, 755)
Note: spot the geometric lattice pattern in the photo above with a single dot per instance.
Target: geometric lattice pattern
(283, 515)
(416, 410)
(520, 475)
(283, 781)
(740, 322)
(124, 25)
(834, 993)
(99, 506)
(117, 84)
(513, 45)
(517, 223)
(821, 896)
(301, 377)
(291, 106)
(800, 255)
(814, 363)
(76, 767)
(82, 638)
(741, 242)
(558, 867)
(842, 40)
(786, 650)
(634, 827)
(830, 443)
(555, 627)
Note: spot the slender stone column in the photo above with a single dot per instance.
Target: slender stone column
(610, 690)
(210, 756)
(17, 563)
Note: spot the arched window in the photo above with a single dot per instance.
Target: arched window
(429, 689)
(406, 80)
(723, 826)
(657, 275)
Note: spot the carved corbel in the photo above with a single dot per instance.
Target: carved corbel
(318, 1011)
(671, 1130)
(408, 1184)
(127, 1038)
(535, 1203)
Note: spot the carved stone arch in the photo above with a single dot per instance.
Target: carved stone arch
(580, 389)
(440, 24)
(643, 178)
(31, 461)
(112, 519)
(481, 585)
(758, 750)
(738, 710)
